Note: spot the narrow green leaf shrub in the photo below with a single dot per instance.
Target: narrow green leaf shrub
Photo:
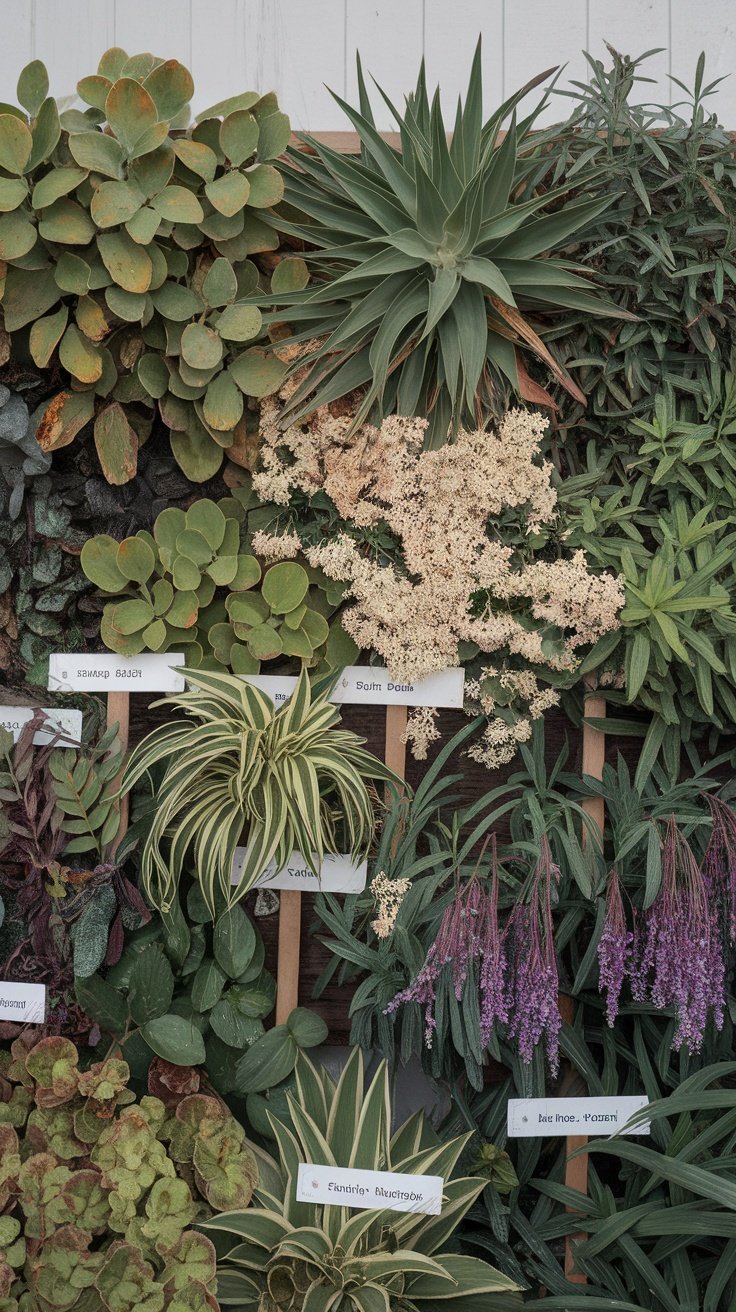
(663, 246)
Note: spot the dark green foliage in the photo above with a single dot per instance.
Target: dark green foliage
(663, 247)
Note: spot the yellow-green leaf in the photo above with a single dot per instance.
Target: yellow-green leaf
(16, 144)
(79, 356)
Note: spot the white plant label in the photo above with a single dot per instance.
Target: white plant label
(66, 722)
(371, 685)
(22, 1002)
(339, 874)
(532, 1118)
(107, 672)
(345, 1186)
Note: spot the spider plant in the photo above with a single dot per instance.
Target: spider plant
(287, 779)
(429, 260)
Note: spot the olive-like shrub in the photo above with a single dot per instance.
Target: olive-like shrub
(99, 1191)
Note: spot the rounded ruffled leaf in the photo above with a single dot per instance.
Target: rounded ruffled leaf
(135, 559)
(130, 111)
(258, 372)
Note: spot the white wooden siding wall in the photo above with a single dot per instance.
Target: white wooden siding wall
(298, 47)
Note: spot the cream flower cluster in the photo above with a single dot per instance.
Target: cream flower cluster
(388, 895)
(450, 510)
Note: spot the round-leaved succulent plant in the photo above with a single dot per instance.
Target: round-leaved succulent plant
(100, 1190)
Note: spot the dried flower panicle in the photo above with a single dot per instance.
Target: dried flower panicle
(389, 895)
(614, 948)
(421, 730)
(719, 862)
(674, 957)
(534, 1012)
(513, 966)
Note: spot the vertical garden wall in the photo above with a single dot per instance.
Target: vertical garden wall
(369, 680)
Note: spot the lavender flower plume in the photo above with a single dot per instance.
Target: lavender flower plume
(494, 1005)
(678, 952)
(457, 945)
(614, 948)
(533, 979)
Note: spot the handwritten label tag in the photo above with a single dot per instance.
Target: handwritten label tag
(347, 1187)
(107, 672)
(371, 685)
(339, 874)
(532, 1118)
(22, 1002)
(66, 722)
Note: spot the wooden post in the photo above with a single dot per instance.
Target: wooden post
(287, 970)
(594, 755)
(118, 712)
(395, 753)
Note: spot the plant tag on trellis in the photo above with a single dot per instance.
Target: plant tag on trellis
(66, 722)
(344, 1186)
(537, 1118)
(22, 1002)
(108, 672)
(339, 874)
(371, 685)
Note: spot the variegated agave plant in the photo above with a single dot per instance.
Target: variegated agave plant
(289, 1256)
(432, 263)
(282, 779)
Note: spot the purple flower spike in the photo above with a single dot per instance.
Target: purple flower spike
(533, 979)
(614, 948)
(679, 961)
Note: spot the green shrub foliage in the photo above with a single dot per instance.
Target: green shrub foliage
(125, 245)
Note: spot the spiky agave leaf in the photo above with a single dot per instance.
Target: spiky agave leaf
(246, 769)
(428, 260)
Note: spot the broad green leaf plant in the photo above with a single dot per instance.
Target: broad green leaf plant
(431, 262)
(126, 239)
(282, 779)
(287, 1255)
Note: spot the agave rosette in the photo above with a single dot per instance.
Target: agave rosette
(428, 260)
(289, 1255)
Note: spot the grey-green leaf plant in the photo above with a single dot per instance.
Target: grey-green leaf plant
(432, 262)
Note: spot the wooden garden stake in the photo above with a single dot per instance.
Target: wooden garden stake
(287, 970)
(118, 712)
(395, 753)
(576, 1168)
